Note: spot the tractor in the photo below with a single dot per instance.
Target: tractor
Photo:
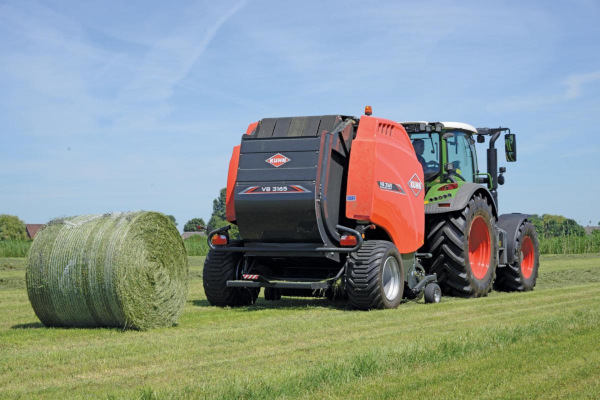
(367, 210)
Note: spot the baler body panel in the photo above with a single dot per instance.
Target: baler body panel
(386, 183)
(232, 177)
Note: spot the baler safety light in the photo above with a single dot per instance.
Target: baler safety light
(348, 241)
(219, 240)
(368, 110)
(450, 186)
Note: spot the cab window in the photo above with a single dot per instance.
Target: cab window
(460, 154)
(427, 148)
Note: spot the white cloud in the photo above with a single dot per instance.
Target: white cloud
(576, 82)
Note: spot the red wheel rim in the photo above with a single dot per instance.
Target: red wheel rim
(527, 257)
(480, 247)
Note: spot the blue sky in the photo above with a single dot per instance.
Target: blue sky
(115, 106)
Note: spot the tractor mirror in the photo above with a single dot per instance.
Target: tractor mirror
(510, 145)
(480, 139)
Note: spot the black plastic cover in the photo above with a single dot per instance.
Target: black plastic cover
(291, 180)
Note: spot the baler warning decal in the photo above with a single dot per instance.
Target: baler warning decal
(391, 187)
(277, 160)
(275, 189)
(415, 185)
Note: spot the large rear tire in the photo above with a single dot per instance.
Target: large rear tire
(220, 267)
(521, 275)
(375, 276)
(464, 248)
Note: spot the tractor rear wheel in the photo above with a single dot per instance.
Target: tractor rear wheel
(464, 249)
(521, 275)
(375, 276)
(220, 267)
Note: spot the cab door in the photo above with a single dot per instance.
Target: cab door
(460, 152)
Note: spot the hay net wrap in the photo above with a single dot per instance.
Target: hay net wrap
(127, 270)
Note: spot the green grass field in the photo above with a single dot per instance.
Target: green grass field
(541, 344)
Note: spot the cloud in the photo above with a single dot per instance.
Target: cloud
(574, 89)
(576, 82)
(172, 57)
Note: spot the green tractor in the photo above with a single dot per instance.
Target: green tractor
(468, 245)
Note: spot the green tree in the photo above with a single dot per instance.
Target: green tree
(172, 218)
(549, 226)
(193, 224)
(218, 218)
(12, 228)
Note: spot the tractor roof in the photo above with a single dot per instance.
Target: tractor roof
(445, 125)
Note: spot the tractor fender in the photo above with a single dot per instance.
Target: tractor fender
(510, 223)
(458, 202)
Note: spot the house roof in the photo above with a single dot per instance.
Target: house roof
(33, 229)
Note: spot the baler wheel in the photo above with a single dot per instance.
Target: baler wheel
(375, 276)
(464, 248)
(220, 267)
(521, 275)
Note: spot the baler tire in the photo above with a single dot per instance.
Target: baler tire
(220, 267)
(448, 240)
(364, 276)
(521, 275)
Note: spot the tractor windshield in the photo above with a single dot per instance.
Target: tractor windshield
(427, 147)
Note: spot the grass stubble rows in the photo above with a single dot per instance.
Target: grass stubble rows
(541, 344)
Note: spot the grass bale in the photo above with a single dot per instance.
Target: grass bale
(127, 270)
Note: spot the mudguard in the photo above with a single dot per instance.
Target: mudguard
(510, 223)
(458, 202)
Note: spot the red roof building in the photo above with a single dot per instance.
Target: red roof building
(33, 229)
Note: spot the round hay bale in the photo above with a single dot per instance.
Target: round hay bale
(127, 270)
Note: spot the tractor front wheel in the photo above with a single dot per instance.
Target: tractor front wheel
(464, 248)
(521, 275)
(375, 276)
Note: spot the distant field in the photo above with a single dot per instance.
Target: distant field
(541, 344)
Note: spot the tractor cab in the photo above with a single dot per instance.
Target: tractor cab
(446, 151)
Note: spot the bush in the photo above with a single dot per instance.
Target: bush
(193, 225)
(12, 228)
(14, 248)
(573, 244)
(196, 246)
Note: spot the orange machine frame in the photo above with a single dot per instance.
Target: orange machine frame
(232, 177)
(386, 184)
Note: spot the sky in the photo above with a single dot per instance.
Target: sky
(119, 106)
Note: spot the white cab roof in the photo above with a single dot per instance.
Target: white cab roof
(447, 125)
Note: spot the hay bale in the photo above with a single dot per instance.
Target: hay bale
(127, 270)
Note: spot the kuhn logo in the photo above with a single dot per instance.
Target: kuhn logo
(277, 160)
(415, 185)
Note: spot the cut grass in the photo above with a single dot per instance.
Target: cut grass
(541, 344)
